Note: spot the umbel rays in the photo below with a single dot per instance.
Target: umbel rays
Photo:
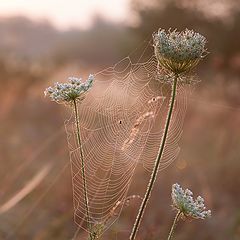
(117, 126)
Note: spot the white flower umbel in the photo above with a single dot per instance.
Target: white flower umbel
(71, 91)
(179, 52)
(186, 206)
(183, 201)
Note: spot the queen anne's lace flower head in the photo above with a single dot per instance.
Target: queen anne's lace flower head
(179, 52)
(71, 91)
(183, 201)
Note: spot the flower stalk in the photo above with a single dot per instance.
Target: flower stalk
(178, 215)
(157, 162)
(82, 166)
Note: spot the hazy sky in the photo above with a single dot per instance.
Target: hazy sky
(67, 13)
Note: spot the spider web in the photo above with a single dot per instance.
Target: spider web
(121, 120)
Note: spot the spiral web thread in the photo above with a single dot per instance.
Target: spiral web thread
(121, 120)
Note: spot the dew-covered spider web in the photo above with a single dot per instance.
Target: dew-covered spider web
(121, 120)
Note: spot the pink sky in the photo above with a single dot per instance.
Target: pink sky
(67, 13)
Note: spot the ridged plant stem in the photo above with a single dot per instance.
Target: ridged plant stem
(157, 162)
(82, 167)
(174, 225)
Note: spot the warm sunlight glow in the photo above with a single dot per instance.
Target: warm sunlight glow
(71, 13)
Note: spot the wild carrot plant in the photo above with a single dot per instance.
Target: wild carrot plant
(177, 54)
(72, 93)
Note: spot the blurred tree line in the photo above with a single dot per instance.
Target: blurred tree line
(220, 25)
(41, 46)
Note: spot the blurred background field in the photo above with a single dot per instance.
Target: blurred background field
(37, 51)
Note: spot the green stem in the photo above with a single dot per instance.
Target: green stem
(156, 164)
(82, 165)
(174, 225)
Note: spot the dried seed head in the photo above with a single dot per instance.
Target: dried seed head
(183, 201)
(73, 90)
(179, 52)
